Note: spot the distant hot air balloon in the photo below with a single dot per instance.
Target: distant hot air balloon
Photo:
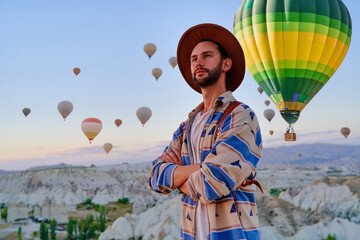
(289, 51)
(118, 122)
(26, 111)
(269, 114)
(76, 71)
(91, 127)
(143, 114)
(173, 61)
(271, 132)
(260, 90)
(107, 147)
(149, 49)
(345, 131)
(156, 72)
(65, 108)
(267, 102)
(299, 155)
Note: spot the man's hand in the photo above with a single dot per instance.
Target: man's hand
(172, 156)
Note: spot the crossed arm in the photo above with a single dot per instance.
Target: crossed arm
(181, 173)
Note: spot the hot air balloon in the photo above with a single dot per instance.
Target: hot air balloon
(143, 114)
(156, 72)
(107, 147)
(271, 132)
(118, 122)
(299, 155)
(173, 61)
(26, 111)
(149, 49)
(260, 90)
(91, 127)
(267, 103)
(76, 71)
(269, 114)
(292, 47)
(65, 108)
(345, 131)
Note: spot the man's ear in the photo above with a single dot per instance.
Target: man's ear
(227, 63)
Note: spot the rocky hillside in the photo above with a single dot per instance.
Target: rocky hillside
(75, 185)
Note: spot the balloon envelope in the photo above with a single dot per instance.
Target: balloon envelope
(118, 122)
(299, 155)
(149, 49)
(26, 111)
(269, 114)
(65, 108)
(267, 103)
(345, 131)
(107, 147)
(289, 51)
(173, 61)
(271, 132)
(143, 114)
(91, 127)
(260, 90)
(76, 71)
(156, 72)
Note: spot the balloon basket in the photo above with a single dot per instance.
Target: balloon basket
(290, 136)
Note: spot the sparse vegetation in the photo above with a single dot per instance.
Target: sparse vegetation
(331, 237)
(276, 191)
(4, 213)
(53, 224)
(123, 200)
(19, 233)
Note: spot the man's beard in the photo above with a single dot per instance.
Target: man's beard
(213, 76)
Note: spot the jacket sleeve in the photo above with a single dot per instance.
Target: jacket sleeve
(161, 174)
(233, 158)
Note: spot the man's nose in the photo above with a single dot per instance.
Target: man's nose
(199, 63)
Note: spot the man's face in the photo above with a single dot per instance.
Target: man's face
(206, 64)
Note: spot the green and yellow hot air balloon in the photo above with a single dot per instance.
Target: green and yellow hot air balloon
(292, 47)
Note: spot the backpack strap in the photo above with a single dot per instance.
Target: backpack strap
(228, 110)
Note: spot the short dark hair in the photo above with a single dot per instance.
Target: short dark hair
(220, 48)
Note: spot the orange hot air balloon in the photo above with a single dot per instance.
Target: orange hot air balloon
(26, 111)
(91, 127)
(156, 72)
(149, 49)
(76, 71)
(345, 131)
(118, 122)
(107, 147)
(271, 132)
(173, 61)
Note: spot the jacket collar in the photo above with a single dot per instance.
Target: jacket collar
(222, 101)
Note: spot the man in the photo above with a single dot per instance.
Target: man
(213, 164)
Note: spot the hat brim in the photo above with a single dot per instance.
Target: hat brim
(225, 38)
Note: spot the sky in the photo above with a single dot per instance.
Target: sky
(42, 41)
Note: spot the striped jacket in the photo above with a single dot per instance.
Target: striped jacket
(227, 159)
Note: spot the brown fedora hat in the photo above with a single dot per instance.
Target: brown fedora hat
(209, 31)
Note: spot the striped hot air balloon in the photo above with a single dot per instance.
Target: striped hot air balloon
(91, 127)
(292, 47)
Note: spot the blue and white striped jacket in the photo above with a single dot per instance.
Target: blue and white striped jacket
(227, 159)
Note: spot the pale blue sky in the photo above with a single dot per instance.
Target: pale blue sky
(42, 41)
